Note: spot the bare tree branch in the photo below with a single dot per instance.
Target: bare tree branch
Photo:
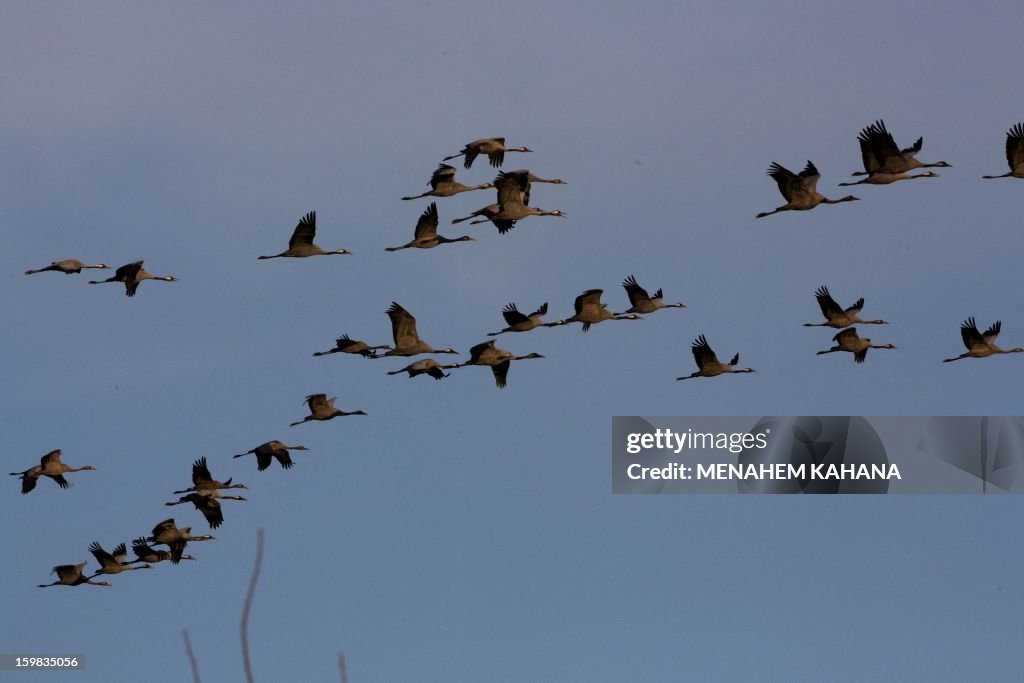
(191, 656)
(248, 606)
(342, 667)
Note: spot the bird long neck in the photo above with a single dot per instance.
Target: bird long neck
(992, 177)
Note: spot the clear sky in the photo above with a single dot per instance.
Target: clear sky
(459, 532)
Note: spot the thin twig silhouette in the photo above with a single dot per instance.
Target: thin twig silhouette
(248, 606)
(191, 656)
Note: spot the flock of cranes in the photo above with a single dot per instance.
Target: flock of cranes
(883, 161)
(204, 494)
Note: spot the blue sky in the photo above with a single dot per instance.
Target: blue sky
(460, 532)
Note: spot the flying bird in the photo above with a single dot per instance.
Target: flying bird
(524, 179)
(167, 533)
(590, 311)
(345, 344)
(203, 482)
(208, 503)
(981, 345)
(115, 562)
(426, 366)
(301, 244)
(147, 553)
(1014, 153)
(707, 362)
(513, 204)
(881, 156)
(407, 340)
(131, 275)
(267, 452)
(836, 316)
(322, 408)
(498, 360)
(443, 184)
(494, 148)
(426, 236)
(642, 302)
(849, 340)
(50, 465)
(67, 266)
(520, 322)
(71, 575)
(800, 191)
